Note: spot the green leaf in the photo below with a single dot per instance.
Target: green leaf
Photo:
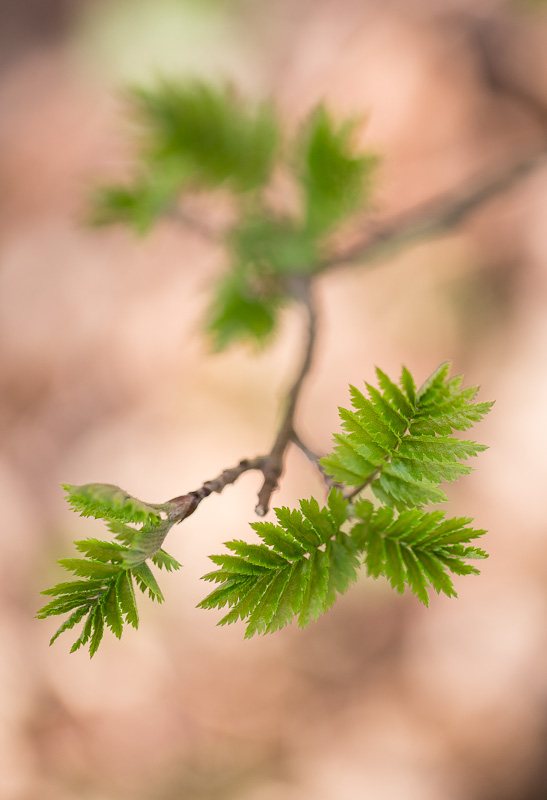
(100, 550)
(304, 562)
(147, 582)
(75, 587)
(86, 632)
(147, 542)
(112, 612)
(139, 204)
(209, 132)
(397, 439)
(417, 549)
(98, 631)
(163, 560)
(104, 588)
(69, 623)
(84, 567)
(108, 502)
(335, 179)
(274, 245)
(244, 308)
(126, 598)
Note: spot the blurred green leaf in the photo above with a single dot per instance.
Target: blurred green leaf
(140, 203)
(275, 244)
(209, 132)
(242, 310)
(335, 179)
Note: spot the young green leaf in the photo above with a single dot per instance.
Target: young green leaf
(209, 132)
(417, 549)
(244, 308)
(335, 178)
(108, 502)
(398, 441)
(139, 203)
(305, 560)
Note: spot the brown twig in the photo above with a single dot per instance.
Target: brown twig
(270, 465)
(274, 461)
(186, 504)
(312, 458)
(436, 216)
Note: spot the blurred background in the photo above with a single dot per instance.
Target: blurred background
(106, 376)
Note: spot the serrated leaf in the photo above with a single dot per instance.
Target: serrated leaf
(126, 598)
(305, 560)
(109, 502)
(163, 560)
(100, 550)
(147, 582)
(147, 542)
(69, 623)
(75, 587)
(398, 438)
(112, 612)
(86, 632)
(416, 548)
(85, 567)
(97, 631)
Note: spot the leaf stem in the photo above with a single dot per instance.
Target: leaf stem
(314, 458)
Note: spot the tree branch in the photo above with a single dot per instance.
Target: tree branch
(436, 216)
(430, 219)
(186, 504)
(273, 466)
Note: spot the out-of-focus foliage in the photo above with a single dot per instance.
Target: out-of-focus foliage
(244, 305)
(139, 204)
(275, 245)
(209, 132)
(194, 135)
(191, 135)
(335, 179)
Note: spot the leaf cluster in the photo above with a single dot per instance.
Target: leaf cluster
(397, 441)
(303, 562)
(102, 594)
(198, 136)
(415, 549)
(313, 554)
(397, 438)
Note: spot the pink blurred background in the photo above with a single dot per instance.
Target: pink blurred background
(106, 376)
